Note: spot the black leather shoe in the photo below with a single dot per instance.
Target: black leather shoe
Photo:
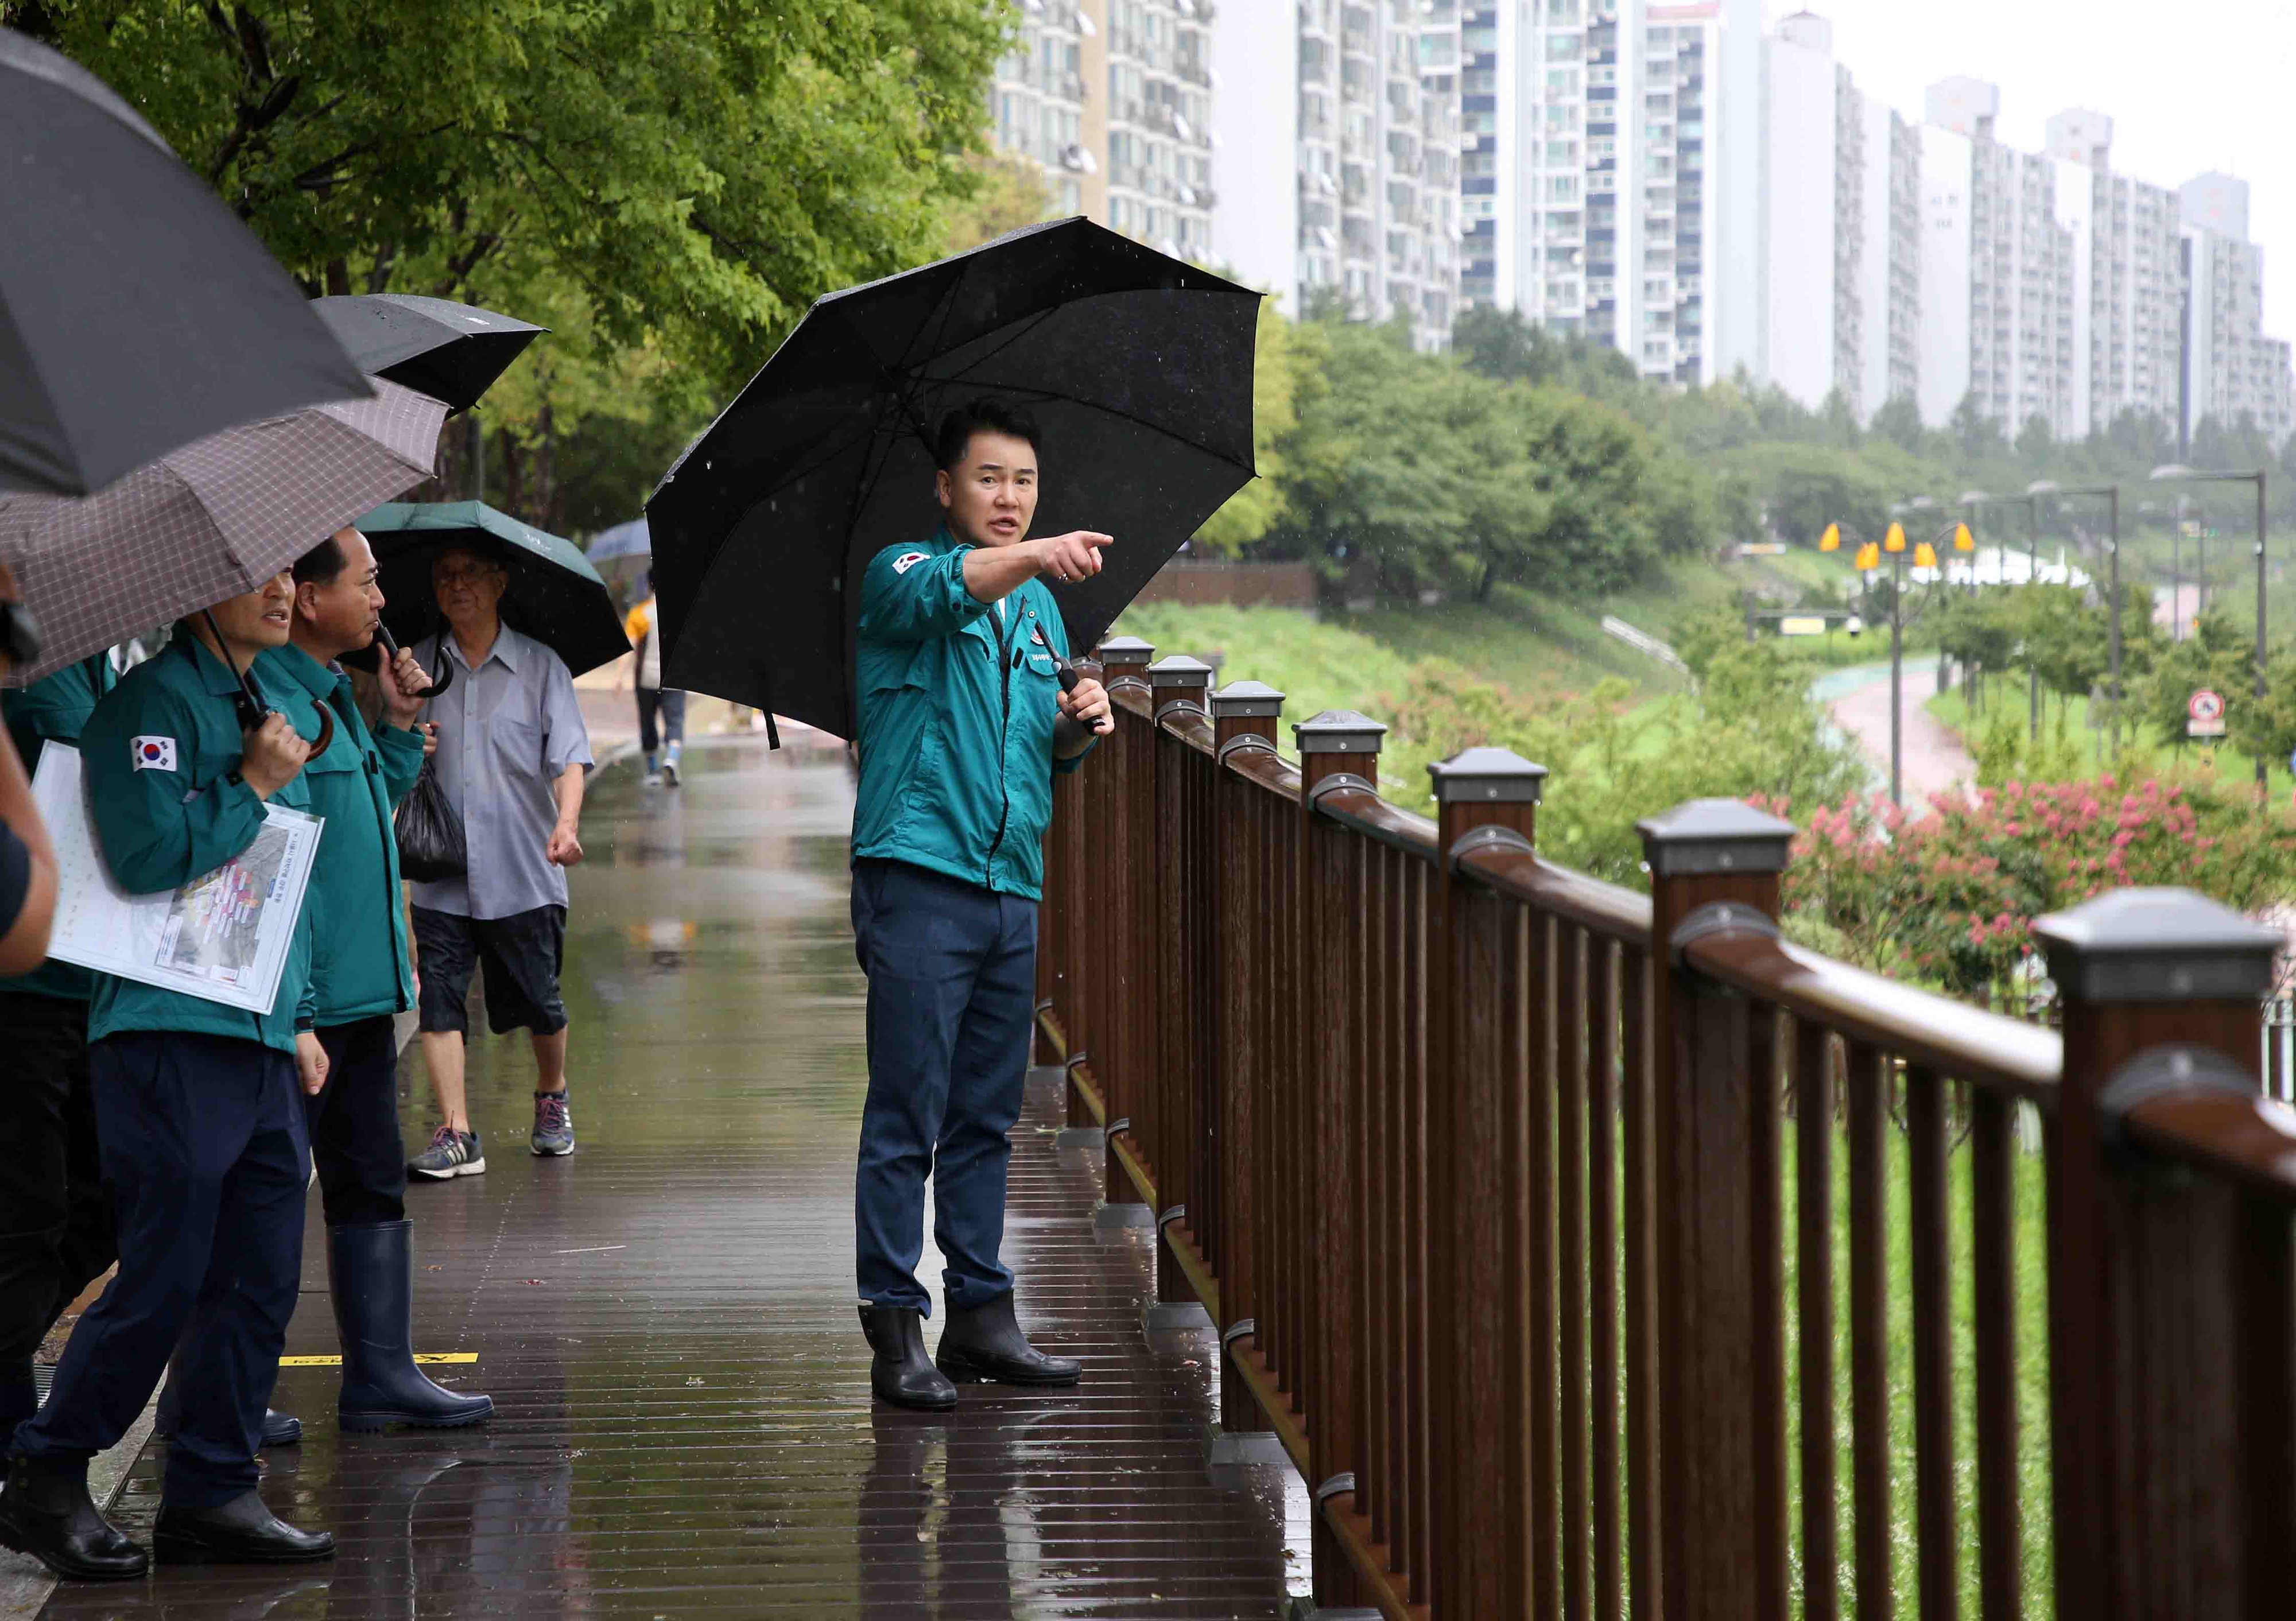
(900, 1373)
(371, 1282)
(986, 1344)
(46, 1512)
(241, 1531)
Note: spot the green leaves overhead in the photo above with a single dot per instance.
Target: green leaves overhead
(690, 173)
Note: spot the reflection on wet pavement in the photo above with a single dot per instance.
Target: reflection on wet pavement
(665, 1319)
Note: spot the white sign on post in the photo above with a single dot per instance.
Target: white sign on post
(2204, 715)
(222, 937)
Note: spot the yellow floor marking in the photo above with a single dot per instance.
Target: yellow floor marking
(337, 1361)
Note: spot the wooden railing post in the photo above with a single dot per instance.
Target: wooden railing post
(1174, 1124)
(1245, 1047)
(1478, 1402)
(1714, 866)
(1122, 1040)
(1069, 936)
(1326, 1114)
(2170, 1293)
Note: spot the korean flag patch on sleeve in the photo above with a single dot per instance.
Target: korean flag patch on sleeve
(908, 560)
(152, 753)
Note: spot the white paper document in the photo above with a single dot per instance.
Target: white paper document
(223, 936)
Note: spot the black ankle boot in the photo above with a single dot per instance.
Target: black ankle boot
(46, 1512)
(370, 1280)
(900, 1373)
(986, 1343)
(241, 1532)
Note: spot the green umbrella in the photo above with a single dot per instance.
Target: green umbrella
(554, 596)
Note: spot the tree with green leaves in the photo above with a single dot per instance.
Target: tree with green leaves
(2218, 656)
(673, 180)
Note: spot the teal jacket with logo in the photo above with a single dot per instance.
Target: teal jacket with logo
(955, 727)
(53, 710)
(360, 966)
(161, 755)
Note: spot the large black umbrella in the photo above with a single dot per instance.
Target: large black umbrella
(452, 352)
(1137, 366)
(136, 313)
(554, 595)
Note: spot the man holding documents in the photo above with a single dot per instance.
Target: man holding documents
(199, 1112)
(362, 973)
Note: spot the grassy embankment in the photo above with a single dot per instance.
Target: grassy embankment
(2006, 695)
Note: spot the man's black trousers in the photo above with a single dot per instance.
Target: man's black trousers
(354, 1124)
(55, 1214)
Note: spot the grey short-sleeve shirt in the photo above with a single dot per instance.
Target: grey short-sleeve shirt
(507, 731)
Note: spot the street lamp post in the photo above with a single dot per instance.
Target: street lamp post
(1974, 498)
(2177, 473)
(2111, 492)
(1869, 559)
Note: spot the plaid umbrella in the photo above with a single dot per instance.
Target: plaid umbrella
(217, 518)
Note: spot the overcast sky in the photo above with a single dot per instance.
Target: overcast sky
(2191, 87)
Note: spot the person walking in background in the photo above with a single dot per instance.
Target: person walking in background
(362, 973)
(55, 1214)
(655, 701)
(511, 753)
(963, 723)
(200, 1126)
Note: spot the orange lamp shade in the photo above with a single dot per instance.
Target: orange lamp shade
(1830, 540)
(1894, 540)
(1925, 556)
(1869, 556)
(1962, 540)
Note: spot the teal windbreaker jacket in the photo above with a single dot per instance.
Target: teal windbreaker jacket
(54, 708)
(360, 966)
(956, 709)
(161, 754)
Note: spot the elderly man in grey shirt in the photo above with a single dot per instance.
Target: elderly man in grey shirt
(511, 753)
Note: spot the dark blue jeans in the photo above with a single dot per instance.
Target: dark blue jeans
(204, 1147)
(952, 974)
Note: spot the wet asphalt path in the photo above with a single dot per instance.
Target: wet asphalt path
(666, 1319)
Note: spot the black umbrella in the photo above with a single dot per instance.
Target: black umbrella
(136, 313)
(1138, 367)
(452, 352)
(554, 595)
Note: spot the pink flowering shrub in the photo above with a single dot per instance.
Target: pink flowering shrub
(1949, 896)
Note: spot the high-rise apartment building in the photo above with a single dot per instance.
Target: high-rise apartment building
(1610, 173)
(2127, 272)
(1113, 99)
(2232, 371)
(1840, 219)
(1337, 154)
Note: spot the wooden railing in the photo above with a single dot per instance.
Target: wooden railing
(1492, 1179)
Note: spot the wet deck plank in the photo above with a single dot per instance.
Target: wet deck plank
(666, 1320)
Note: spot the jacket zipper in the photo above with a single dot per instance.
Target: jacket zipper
(1003, 747)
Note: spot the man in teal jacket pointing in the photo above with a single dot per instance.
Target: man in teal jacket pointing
(963, 723)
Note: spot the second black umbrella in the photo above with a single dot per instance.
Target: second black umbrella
(452, 352)
(136, 313)
(554, 595)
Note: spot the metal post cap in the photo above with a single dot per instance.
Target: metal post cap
(1338, 732)
(1708, 836)
(1498, 776)
(1180, 670)
(2157, 946)
(1239, 699)
(1126, 650)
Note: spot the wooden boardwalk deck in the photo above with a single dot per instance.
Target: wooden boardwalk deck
(666, 1319)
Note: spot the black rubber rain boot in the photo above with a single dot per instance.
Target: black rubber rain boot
(46, 1512)
(900, 1372)
(243, 1531)
(370, 1279)
(985, 1344)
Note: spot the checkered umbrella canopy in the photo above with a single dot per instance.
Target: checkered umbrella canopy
(208, 521)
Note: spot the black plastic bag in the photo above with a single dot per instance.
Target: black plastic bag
(430, 844)
(430, 833)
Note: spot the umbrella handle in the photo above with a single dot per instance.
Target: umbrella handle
(1068, 677)
(326, 731)
(441, 678)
